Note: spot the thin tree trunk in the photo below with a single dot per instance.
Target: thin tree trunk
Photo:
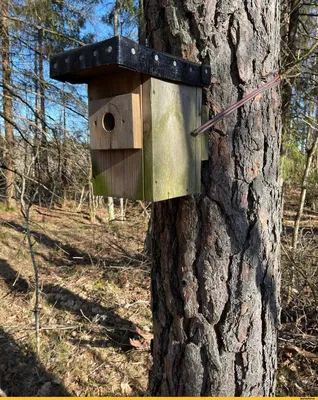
(122, 209)
(110, 207)
(141, 23)
(79, 207)
(215, 280)
(116, 12)
(304, 184)
(91, 202)
(302, 200)
(64, 156)
(26, 209)
(44, 163)
(36, 143)
(7, 107)
(290, 24)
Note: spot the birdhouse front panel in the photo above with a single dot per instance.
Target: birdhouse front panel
(117, 157)
(143, 106)
(118, 173)
(115, 122)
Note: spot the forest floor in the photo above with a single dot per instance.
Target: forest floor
(94, 312)
(95, 317)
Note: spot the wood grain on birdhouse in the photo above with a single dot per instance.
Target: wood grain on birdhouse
(116, 155)
(115, 122)
(172, 157)
(118, 173)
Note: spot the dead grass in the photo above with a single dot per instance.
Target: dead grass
(95, 300)
(94, 295)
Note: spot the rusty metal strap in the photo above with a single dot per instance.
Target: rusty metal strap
(210, 124)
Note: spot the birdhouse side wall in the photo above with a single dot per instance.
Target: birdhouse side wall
(172, 157)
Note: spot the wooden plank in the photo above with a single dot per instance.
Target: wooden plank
(114, 85)
(115, 123)
(172, 157)
(118, 173)
(147, 140)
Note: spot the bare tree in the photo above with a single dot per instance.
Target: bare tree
(309, 159)
(7, 106)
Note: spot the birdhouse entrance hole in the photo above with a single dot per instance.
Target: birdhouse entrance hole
(108, 122)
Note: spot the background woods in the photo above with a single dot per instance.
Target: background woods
(94, 276)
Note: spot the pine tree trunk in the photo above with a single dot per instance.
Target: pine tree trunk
(215, 279)
(7, 106)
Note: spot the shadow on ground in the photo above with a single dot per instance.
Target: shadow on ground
(74, 255)
(22, 374)
(117, 331)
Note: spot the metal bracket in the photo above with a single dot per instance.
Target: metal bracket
(85, 63)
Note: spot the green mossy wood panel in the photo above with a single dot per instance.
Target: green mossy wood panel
(118, 173)
(172, 157)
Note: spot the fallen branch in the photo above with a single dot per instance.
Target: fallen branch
(304, 353)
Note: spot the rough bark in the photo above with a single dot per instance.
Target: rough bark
(7, 106)
(215, 279)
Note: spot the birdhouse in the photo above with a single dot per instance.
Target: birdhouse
(143, 106)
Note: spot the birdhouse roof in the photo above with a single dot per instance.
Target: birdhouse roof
(82, 64)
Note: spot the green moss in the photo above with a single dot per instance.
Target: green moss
(150, 178)
(4, 235)
(99, 185)
(3, 207)
(99, 285)
(171, 154)
(139, 194)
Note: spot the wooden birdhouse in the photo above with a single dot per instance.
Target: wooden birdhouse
(143, 106)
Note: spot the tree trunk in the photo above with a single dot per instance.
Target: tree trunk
(110, 208)
(44, 163)
(116, 12)
(37, 133)
(215, 279)
(91, 201)
(64, 155)
(290, 25)
(7, 107)
(304, 184)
